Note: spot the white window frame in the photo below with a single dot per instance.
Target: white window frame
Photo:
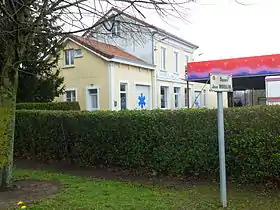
(89, 108)
(126, 92)
(163, 52)
(71, 89)
(69, 57)
(176, 61)
(178, 95)
(166, 88)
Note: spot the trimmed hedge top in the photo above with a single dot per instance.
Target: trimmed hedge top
(179, 142)
(49, 106)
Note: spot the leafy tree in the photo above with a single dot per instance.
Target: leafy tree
(24, 21)
(38, 82)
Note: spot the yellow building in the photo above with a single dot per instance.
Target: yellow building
(166, 51)
(104, 77)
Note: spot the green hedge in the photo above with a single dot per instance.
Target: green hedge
(49, 106)
(179, 142)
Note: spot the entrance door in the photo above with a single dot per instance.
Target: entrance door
(92, 99)
(142, 97)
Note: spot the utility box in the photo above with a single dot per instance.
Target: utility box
(272, 88)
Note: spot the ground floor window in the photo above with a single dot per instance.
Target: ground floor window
(176, 97)
(163, 97)
(71, 95)
(123, 95)
(93, 99)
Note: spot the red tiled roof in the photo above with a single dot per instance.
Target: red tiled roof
(107, 50)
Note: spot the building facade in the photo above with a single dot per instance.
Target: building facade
(167, 52)
(103, 77)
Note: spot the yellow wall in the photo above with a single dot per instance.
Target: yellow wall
(88, 70)
(132, 76)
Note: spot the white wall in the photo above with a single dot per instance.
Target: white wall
(134, 39)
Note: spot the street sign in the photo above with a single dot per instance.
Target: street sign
(221, 83)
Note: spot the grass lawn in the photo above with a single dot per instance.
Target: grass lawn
(84, 193)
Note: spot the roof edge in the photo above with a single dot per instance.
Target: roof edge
(115, 58)
(113, 9)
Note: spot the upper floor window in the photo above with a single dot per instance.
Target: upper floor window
(163, 58)
(71, 95)
(116, 31)
(176, 61)
(69, 56)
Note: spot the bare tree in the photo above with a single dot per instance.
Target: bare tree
(22, 20)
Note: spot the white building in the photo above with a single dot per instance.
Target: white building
(169, 53)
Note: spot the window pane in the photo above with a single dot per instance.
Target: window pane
(73, 94)
(163, 97)
(176, 101)
(94, 101)
(123, 101)
(176, 96)
(68, 94)
(92, 91)
(176, 90)
(66, 55)
(122, 87)
(78, 53)
(72, 54)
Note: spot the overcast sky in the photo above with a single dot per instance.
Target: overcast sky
(224, 29)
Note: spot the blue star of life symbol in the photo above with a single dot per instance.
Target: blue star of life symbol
(141, 102)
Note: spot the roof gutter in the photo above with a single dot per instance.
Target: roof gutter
(140, 64)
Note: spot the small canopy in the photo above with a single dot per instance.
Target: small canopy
(247, 72)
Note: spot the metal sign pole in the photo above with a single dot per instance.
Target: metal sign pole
(221, 137)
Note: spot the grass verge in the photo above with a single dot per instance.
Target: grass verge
(88, 194)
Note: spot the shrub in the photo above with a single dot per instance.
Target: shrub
(49, 106)
(179, 142)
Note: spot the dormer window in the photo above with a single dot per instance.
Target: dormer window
(116, 31)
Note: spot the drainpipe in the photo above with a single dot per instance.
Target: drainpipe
(188, 93)
(155, 97)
